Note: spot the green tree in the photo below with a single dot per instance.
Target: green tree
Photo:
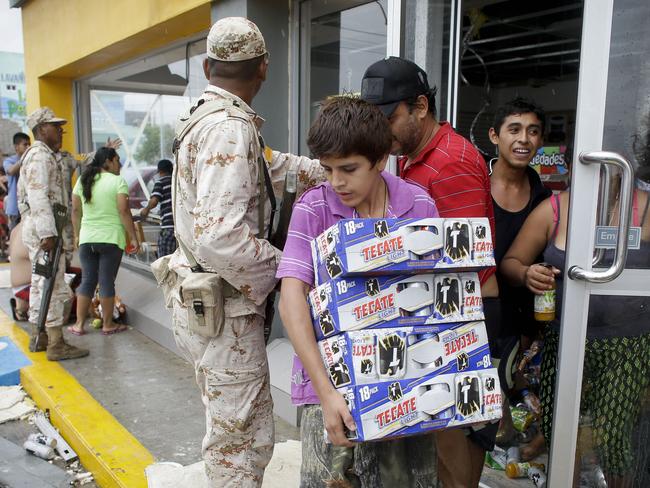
(151, 149)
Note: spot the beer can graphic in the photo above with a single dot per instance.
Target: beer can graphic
(333, 265)
(422, 312)
(339, 374)
(442, 389)
(391, 356)
(458, 240)
(448, 295)
(468, 396)
(432, 254)
(366, 367)
(363, 351)
(326, 322)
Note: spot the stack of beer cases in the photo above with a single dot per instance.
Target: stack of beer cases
(398, 313)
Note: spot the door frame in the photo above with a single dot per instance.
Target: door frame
(590, 123)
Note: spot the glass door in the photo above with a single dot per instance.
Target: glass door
(601, 418)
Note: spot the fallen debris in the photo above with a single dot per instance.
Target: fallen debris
(62, 447)
(14, 403)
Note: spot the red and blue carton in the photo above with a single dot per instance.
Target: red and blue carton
(355, 247)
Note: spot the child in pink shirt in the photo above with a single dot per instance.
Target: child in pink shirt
(352, 139)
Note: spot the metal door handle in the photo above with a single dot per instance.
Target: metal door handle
(625, 207)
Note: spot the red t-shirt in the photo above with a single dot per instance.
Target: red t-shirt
(452, 170)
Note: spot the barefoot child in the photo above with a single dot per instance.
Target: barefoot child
(352, 139)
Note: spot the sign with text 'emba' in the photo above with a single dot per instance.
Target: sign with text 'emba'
(606, 237)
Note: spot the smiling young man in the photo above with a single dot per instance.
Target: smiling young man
(352, 140)
(516, 189)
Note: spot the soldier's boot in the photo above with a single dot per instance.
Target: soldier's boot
(58, 349)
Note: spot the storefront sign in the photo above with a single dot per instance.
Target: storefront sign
(550, 160)
(606, 237)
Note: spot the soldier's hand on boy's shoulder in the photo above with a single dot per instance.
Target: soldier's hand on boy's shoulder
(336, 416)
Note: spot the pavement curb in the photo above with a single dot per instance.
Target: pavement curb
(115, 458)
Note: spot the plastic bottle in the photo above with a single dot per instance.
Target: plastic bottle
(512, 455)
(532, 402)
(544, 305)
(520, 470)
(39, 450)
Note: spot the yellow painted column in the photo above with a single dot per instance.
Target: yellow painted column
(57, 94)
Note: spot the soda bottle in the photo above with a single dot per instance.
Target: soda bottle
(512, 455)
(544, 305)
(520, 470)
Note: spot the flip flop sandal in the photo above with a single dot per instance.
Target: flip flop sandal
(76, 332)
(18, 316)
(117, 330)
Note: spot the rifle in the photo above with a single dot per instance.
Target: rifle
(48, 269)
(278, 240)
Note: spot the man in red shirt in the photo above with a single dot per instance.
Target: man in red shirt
(433, 156)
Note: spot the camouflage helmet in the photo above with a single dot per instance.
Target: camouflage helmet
(43, 115)
(235, 39)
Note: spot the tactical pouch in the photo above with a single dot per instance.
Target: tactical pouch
(166, 279)
(202, 295)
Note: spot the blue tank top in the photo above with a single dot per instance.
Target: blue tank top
(609, 316)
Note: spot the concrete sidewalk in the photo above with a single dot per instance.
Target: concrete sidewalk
(149, 390)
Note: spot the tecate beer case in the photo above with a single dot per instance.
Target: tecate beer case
(432, 402)
(345, 304)
(401, 246)
(370, 356)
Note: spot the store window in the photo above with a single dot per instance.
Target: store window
(340, 40)
(139, 102)
(426, 38)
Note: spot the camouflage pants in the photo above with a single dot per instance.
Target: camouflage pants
(233, 376)
(405, 463)
(61, 294)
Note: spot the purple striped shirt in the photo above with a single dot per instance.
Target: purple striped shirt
(317, 210)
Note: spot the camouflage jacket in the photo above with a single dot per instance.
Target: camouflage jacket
(217, 198)
(45, 179)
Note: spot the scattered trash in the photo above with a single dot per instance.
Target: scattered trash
(42, 439)
(40, 450)
(521, 418)
(496, 459)
(529, 354)
(14, 403)
(532, 402)
(520, 470)
(512, 455)
(537, 476)
(519, 436)
(62, 447)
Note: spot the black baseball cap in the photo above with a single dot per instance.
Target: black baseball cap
(392, 80)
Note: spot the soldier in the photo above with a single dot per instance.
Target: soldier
(218, 190)
(45, 181)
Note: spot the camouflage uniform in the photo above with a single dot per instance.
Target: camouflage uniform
(45, 180)
(216, 216)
